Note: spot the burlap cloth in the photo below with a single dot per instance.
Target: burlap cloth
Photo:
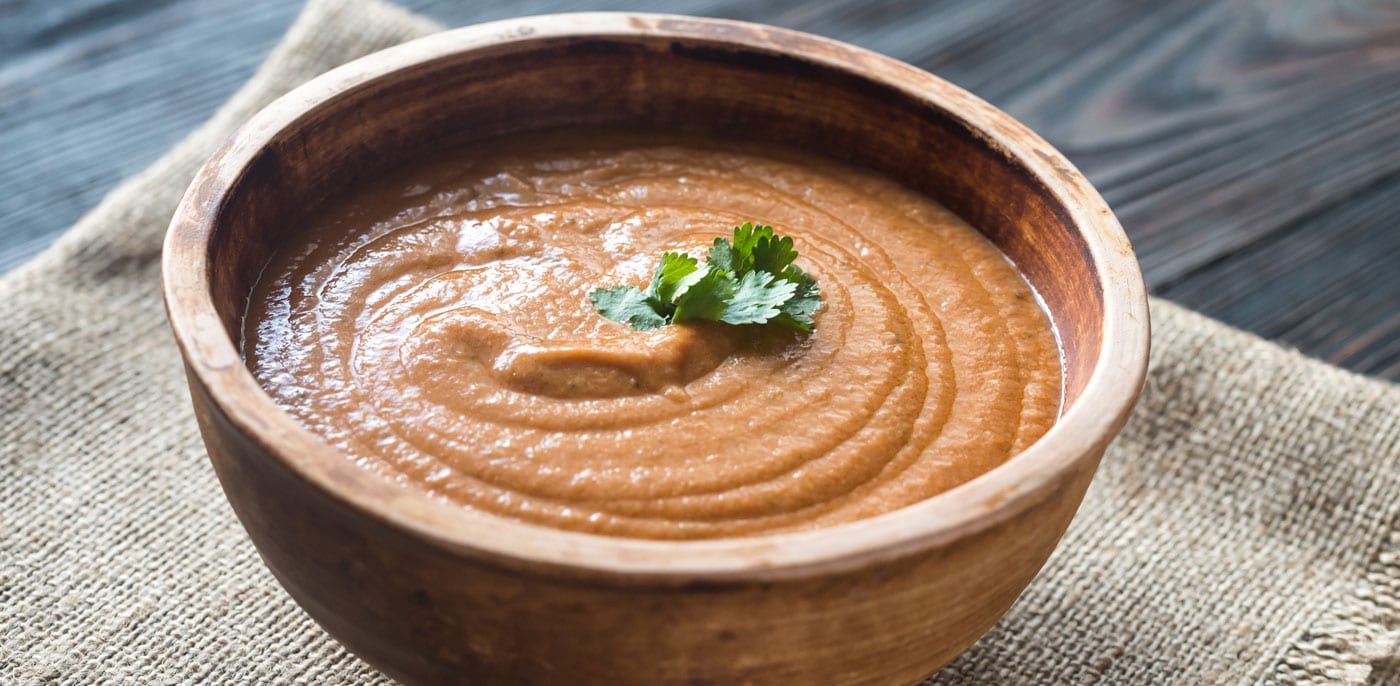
(1244, 528)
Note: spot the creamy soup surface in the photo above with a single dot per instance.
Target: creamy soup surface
(434, 326)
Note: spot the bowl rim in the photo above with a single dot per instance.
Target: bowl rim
(1069, 448)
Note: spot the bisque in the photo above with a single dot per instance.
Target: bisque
(434, 326)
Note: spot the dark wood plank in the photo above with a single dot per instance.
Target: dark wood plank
(1249, 147)
(1324, 283)
(94, 91)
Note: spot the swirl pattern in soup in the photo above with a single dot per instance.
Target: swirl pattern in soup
(435, 327)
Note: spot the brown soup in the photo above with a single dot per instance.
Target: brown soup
(434, 326)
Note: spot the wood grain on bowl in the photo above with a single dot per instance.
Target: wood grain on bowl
(434, 593)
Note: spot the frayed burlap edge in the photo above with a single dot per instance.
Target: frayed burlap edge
(1357, 642)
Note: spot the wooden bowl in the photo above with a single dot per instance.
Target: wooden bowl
(433, 593)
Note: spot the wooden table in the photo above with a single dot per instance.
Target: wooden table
(1251, 149)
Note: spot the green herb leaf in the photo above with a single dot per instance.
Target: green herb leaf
(721, 256)
(708, 299)
(676, 273)
(627, 304)
(773, 254)
(745, 238)
(758, 298)
(805, 301)
(749, 279)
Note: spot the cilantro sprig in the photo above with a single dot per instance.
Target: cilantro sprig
(748, 280)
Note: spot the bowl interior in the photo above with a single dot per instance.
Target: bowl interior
(655, 82)
(699, 76)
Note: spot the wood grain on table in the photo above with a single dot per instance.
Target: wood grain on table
(1251, 149)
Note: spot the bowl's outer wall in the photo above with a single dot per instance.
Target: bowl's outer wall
(430, 613)
(427, 616)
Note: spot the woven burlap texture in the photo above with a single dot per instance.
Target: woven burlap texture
(1243, 529)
